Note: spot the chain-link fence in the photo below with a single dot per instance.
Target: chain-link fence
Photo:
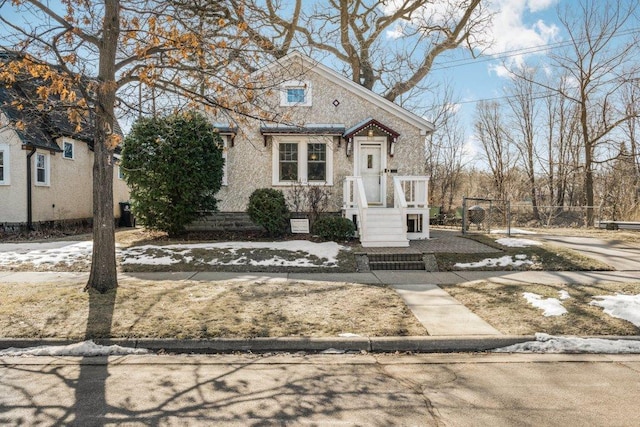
(526, 215)
(484, 215)
(480, 215)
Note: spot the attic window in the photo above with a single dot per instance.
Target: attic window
(295, 94)
(67, 150)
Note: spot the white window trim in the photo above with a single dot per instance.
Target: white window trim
(73, 150)
(6, 164)
(47, 170)
(295, 84)
(302, 142)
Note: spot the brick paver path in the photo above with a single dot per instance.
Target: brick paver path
(441, 241)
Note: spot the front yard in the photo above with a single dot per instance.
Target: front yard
(262, 307)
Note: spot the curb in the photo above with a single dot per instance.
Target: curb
(418, 344)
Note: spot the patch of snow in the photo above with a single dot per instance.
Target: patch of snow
(349, 335)
(84, 348)
(504, 261)
(513, 231)
(545, 343)
(550, 306)
(517, 243)
(44, 253)
(626, 307)
(333, 351)
(564, 294)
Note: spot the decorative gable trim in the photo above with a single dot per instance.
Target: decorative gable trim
(373, 126)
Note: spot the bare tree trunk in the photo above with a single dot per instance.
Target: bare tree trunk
(103, 274)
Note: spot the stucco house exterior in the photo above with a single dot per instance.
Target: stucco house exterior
(45, 165)
(332, 132)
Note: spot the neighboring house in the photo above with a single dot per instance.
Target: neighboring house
(45, 165)
(367, 150)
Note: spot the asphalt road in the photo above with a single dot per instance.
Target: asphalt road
(371, 390)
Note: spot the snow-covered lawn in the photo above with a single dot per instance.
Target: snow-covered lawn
(545, 343)
(293, 253)
(504, 261)
(45, 253)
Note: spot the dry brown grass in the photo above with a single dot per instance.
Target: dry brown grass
(504, 307)
(200, 310)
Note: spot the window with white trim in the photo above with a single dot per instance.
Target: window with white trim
(4, 165)
(42, 169)
(67, 150)
(295, 94)
(307, 160)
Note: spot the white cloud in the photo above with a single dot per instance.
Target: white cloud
(510, 32)
(396, 33)
(539, 5)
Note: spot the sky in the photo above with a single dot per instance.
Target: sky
(522, 30)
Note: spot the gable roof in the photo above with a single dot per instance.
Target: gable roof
(423, 124)
(41, 127)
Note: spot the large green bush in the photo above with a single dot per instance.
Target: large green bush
(173, 166)
(334, 228)
(268, 208)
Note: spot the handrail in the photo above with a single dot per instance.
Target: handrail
(400, 201)
(362, 204)
(355, 198)
(399, 198)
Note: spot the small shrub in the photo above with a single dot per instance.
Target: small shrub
(334, 228)
(268, 208)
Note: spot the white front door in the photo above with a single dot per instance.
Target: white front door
(371, 169)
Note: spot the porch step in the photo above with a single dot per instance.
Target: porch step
(410, 261)
(385, 228)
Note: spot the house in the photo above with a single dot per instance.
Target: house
(45, 164)
(332, 132)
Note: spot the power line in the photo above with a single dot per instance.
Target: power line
(521, 51)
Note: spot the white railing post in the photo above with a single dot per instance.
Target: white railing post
(411, 195)
(354, 201)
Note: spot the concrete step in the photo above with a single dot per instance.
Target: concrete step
(406, 261)
(396, 265)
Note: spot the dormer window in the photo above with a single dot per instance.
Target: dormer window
(296, 94)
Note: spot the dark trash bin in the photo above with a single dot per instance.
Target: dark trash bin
(476, 214)
(126, 217)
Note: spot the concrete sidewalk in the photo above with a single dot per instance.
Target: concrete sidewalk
(441, 314)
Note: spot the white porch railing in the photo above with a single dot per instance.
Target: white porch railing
(355, 201)
(411, 194)
(410, 199)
